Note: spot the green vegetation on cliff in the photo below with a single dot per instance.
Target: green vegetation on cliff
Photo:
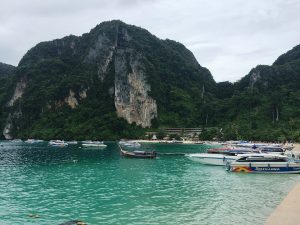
(92, 86)
(265, 104)
(7, 80)
(82, 71)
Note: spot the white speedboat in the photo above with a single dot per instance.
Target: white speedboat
(272, 149)
(93, 144)
(212, 159)
(33, 141)
(58, 143)
(264, 163)
(72, 142)
(130, 144)
(16, 141)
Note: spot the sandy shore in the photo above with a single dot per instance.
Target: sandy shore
(296, 147)
(287, 213)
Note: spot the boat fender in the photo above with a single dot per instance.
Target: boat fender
(287, 165)
(268, 164)
(224, 159)
(250, 165)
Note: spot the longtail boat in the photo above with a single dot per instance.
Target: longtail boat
(138, 154)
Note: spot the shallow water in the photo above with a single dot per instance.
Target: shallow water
(100, 187)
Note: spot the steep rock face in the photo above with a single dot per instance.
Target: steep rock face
(7, 85)
(131, 90)
(71, 100)
(102, 54)
(131, 98)
(254, 77)
(19, 91)
(9, 125)
(115, 71)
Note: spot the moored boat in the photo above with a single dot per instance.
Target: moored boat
(212, 159)
(16, 141)
(72, 142)
(130, 144)
(272, 149)
(264, 163)
(33, 141)
(58, 143)
(231, 151)
(94, 144)
(138, 154)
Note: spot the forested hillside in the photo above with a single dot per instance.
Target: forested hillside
(264, 105)
(115, 81)
(118, 81)
(7, 73)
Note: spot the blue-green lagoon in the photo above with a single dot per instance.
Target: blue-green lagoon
(101, 187)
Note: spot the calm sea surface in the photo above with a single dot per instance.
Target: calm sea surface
(100, 187)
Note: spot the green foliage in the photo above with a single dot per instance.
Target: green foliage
(175, 137)
(7, 81)
(160, 134)
(264, 105)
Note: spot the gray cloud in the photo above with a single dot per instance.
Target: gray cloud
(228, 37)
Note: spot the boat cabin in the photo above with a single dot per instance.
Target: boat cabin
(262, 158)
(272, 149)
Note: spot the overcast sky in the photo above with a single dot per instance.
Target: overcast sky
(229, 37)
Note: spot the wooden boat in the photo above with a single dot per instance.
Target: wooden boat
(130, 144)
(138, 154)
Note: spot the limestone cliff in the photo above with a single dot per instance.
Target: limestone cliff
(19, 91)
(97, 84)
(132, 101)
(16, 113)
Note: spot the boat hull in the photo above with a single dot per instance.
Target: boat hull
(212, 159)
(100, 146)
(265, 168)
(144, 155)
(58, 143)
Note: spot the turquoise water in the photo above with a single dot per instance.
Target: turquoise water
(100, 187)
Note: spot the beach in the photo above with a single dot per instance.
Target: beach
(287, 212)
(297, 147)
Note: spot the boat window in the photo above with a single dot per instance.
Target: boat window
(272, 150)
(243, 159)
(261, 159)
